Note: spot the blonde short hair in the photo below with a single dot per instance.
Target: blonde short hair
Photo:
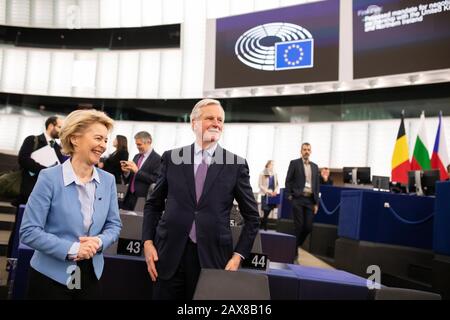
(195, 113)
(77, 122)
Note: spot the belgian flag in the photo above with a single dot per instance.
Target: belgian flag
(400, 157)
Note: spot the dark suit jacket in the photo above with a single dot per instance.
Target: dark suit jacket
(295, 179)
(112, 164)
(29, 165)
(146, 175)
(224, 182)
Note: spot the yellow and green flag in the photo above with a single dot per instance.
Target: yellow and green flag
(421, 158)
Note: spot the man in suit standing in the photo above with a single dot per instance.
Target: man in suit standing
(142, 171)
(31, 168)
(302, 188)
(196, 189)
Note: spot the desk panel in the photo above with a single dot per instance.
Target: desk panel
(126, 278)
(280, 247)
(407, 220)
(441, 236)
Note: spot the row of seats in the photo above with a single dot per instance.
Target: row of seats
(241, 285)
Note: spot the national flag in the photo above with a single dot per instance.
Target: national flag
(294, 54)
(400, 158)
(439, 158)
(421, 158)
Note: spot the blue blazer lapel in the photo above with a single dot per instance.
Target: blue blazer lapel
(73, 195)
(98, 200)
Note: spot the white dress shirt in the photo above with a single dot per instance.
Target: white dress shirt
(86, 196)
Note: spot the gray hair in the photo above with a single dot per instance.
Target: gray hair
(195, 113)
(144, 136)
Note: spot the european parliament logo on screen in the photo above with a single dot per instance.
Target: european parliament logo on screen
(276, 46)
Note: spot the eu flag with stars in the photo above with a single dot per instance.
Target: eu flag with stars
(294, 54)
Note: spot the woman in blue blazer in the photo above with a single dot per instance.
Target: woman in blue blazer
(72, 215)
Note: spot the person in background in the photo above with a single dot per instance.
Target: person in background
(142, 172)
(302, 189)
(325, 176)
(31, 168)
(112, 163)
(268, 187)
(72, 215)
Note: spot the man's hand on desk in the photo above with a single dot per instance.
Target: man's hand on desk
(234, 263)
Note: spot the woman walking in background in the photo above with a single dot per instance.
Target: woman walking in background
(112, 163)
(268, 186)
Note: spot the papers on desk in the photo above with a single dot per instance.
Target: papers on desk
(45, 156)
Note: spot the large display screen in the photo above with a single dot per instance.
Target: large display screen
(295, 44)
(400, 36)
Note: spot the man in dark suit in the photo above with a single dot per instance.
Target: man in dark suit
(195, 190)
(142, 171)
(302, 188)
(31, 168)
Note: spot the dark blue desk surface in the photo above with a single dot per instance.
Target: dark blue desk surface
(295, 282)
(15, 242)
(441, 236)
(331, 198)
(326, 284)
(283, 282)
(24, 255)
(363, 216)
(279, 247)
(126, 278)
